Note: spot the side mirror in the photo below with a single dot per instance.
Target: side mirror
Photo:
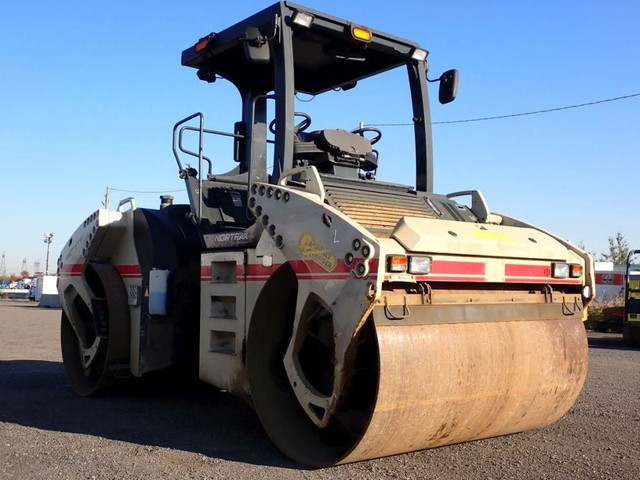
(448, 86)
(256, 47)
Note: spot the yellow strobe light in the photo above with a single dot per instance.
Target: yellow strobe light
(361, 33)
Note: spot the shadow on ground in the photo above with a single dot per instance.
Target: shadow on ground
(183, 415)
(607, 340)
(24, 304)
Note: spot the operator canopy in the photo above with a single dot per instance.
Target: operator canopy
(289, 49)
(326, 53)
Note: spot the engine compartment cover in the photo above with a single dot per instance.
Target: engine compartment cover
(484, 240)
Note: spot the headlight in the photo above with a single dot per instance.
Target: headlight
(413, 264)
(303, 19)
(419, 54)
(560, 270)
(419, 265)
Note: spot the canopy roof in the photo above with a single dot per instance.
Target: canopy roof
(326, 55)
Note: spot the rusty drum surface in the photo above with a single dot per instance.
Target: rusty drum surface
(449, 383)
(419, 384)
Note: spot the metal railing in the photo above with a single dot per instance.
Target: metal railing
(178, 135)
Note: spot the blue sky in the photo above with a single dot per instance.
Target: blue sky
(89, 92)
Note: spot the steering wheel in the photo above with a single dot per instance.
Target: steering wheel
(301, 127)
(375, 139)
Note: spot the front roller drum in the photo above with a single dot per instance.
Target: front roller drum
(450, 383)
(419, 386)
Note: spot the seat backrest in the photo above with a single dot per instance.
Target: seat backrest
(343, 143)
(327, 149)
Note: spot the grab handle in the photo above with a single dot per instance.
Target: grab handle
(124, 201)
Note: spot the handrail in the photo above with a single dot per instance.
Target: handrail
(215, 132)
(198, 216)
(175, 129)
(189, 152)
(201, 130)
(204, 130)
(178, 131)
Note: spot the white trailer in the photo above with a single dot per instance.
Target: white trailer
(46, 291)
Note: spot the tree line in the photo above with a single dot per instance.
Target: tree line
(618, 250)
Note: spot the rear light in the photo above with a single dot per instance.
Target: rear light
(201, 45)
(560, 270)
(576, 271)
(419, 265)
(204, 42)
(397, 263)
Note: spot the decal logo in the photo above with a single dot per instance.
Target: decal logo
(310, 247)
(231, 237)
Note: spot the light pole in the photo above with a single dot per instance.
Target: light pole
(48, 237)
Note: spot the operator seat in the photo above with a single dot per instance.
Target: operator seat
(331, 151)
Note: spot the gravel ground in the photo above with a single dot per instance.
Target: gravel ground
(192, 431)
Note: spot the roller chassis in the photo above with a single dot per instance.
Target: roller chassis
(280, 288)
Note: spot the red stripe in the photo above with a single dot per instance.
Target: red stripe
(555, 281)
(304, 269)
(205, 273)
(73, 270)
(311, 266)
(125, 271)
(338, 276)
(257, 270)
(518, 273)
(129, 271)
(515, 270)
(442, 271)
(446, 267)
(449, 278)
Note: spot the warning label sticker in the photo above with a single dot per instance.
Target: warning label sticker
(310, 247)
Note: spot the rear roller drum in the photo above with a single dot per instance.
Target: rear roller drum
(95, 333)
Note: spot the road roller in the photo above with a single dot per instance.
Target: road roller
(631, 318)
(360, 318)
